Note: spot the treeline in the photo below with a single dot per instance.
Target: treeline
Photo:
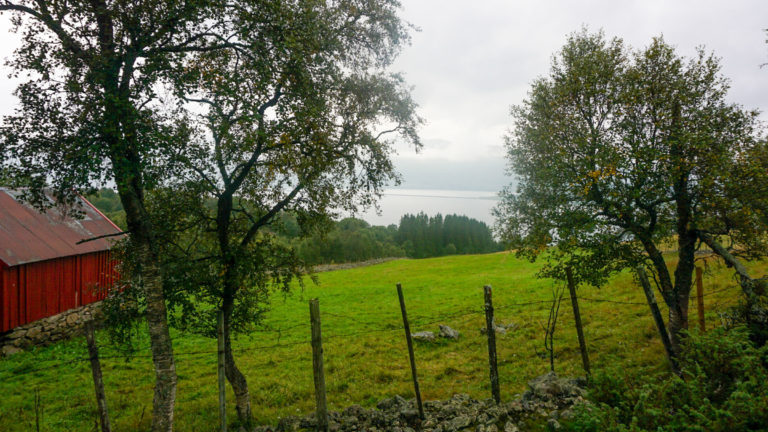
(350, 240)
(422, 236)
(108, 202)
(354, 240)
(417, 236)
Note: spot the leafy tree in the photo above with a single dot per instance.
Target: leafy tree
(617, 152)
(91, 113)
(298, 118)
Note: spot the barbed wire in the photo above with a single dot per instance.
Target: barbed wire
(506, 306)
(415, 321)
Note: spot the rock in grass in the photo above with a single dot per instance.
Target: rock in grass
(448, 333)
(549, 387)
(391, 403)
(458, 423)
(501, 329)
(423, 336)
(9, 350)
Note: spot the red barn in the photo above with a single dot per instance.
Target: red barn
(43, 269)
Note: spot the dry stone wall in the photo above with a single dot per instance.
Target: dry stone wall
(48, 330)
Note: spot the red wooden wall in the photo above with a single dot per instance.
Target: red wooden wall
(29, 292)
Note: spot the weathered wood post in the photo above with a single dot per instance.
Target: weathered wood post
(577, 319)
(410, 350)
(491, 327)
(658, 319)
(222, 372)
(98, 381)
(38, 409)
(700, 298)
(317, 366)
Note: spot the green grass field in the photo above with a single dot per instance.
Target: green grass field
(365, 350)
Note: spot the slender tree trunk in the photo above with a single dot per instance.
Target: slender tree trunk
(686, 237)
(157, 320)
(678, 321)
(678, 312)
(234, 376)
(677, 304)
(142, 240)
(162, 347)
(119, 134)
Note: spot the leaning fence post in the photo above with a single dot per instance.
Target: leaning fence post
(222, 372)
(410, 350)
(658, 319)
(700, 298)
(317, 366)
(490, 326)
(577, 318)
(98, 382)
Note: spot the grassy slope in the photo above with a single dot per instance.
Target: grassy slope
(361, 366)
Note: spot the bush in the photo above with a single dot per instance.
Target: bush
(725, 388)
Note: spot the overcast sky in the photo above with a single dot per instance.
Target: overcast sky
(472, 60)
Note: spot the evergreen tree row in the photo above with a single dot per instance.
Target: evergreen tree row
(422, 236)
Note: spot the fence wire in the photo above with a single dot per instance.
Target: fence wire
(368, 327)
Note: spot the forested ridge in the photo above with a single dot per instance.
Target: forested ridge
(353, 240)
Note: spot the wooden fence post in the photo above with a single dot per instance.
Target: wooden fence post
(700, 298)
(317, 366)
(410, 350)
(577, 319)
(491, 332)
(98, 381)
(222, 372)
(38, 409)
(658, 319)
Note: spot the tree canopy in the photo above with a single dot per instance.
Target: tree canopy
(619, 153)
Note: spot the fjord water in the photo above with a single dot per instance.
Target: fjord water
(396, 202)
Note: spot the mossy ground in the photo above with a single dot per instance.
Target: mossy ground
(365, 351)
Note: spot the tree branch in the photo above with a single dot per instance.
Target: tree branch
(45, 17)
(731, 260)
(269, 215)
(102, 236)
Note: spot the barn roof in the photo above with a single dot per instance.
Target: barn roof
(27, 235)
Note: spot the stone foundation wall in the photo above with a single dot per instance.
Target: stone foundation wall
(48, 330)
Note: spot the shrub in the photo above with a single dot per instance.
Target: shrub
(724, 388)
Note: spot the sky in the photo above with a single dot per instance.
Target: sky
(471, 61)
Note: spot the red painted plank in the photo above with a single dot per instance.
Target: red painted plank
(33, 291)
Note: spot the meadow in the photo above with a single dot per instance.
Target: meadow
(364, 346)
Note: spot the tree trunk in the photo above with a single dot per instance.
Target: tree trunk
(678, 311)
(161, 345)
(119, 134)
(229, 289)
(675, 294)
(234, 376)
(678, 321)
